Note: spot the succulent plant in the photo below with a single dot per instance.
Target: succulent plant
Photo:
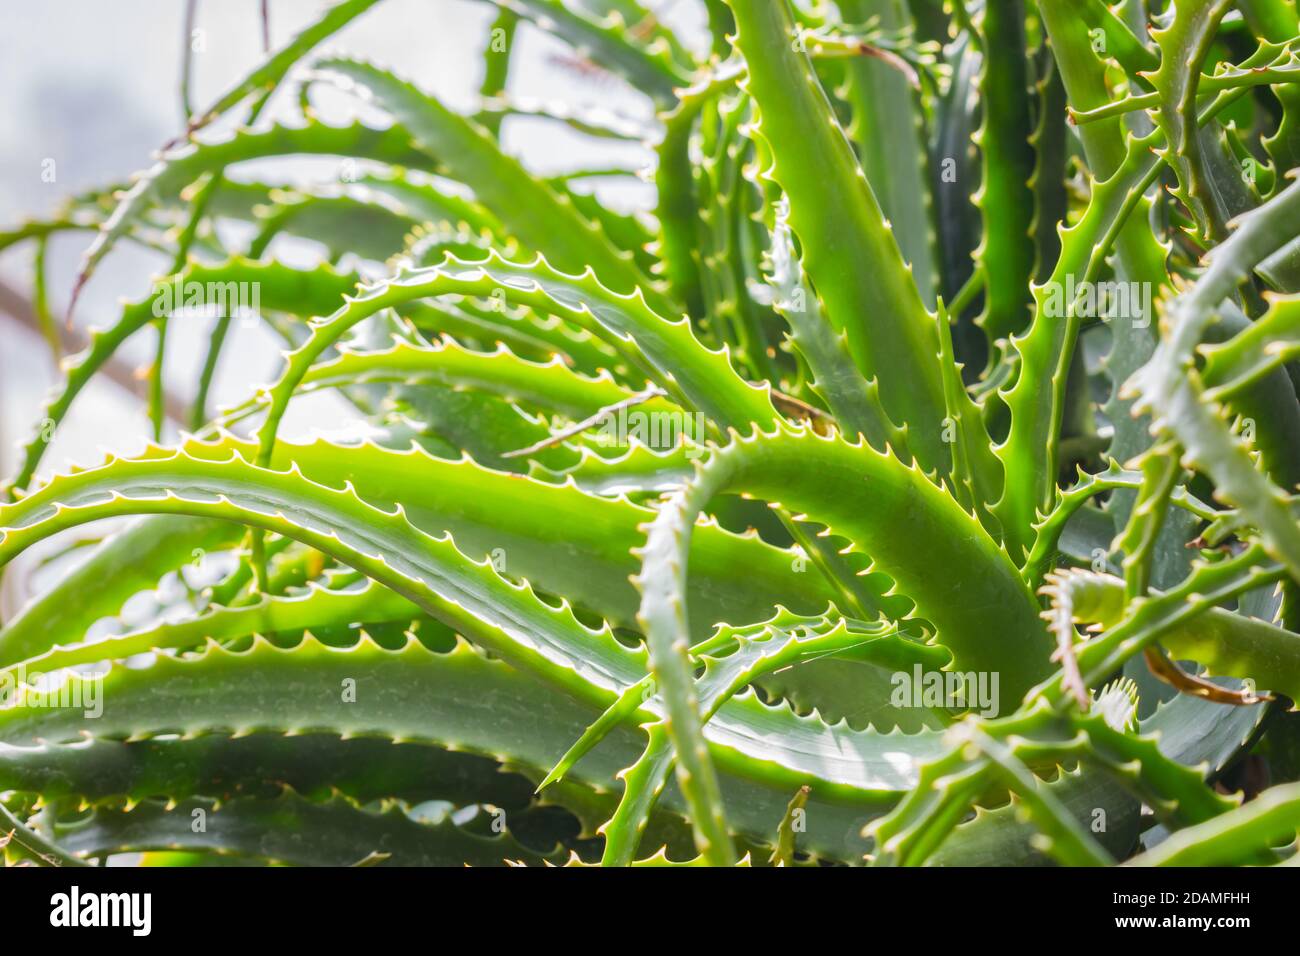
(910, 483)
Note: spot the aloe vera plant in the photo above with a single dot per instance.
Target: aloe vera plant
(910, 483)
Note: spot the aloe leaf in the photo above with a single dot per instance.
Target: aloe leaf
(373, 215)
(523, 524)
(1266, 344)
(681, 261)
(1001, 837)
(409, 559)
(956, 219)
(1053, 525)
(660, 860)
(458, 700)
(131, 561)
(1116, 214)
(1170, 389)
(732, 661)
(629, 233)
(921, 823)
(181, 166)
(730, 204)
(552, 646)
(99, 769)
(1150, 619)
(1240, 77)
(903, 522)
(1187, 730)
(531, 335)
(1051, 158)
(534, 212)
(42, 229)
(851, 398)
(342, 223)
(1138, 540)
(919, 826)
(638, 470)
(450, 422)
(783, 853)
(923, 819)
(23, 845)
(270, 73)
(590, 120)
(610, 34)
(1037, 396)
(668, 351)
(716, 176)
(1271, 818)
(887, 127)
(303, 292)
(1065, 838)
(643, 781)
(1005, 198)
(1224, 642)
(216, 343)
(429, 199)
(977, 477)
(1121, 44)
(1176, 792)
(40, 300)
(1140, 257)
(264, 79)
(858, 692)
(1276, 21)
(662, 617)
(550, 384)
(1184, 46)
(316, 610)
(1198, 732)
(497, 51)
(291, 830)
(840, 225)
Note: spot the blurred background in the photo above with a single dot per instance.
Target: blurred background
(97, 93)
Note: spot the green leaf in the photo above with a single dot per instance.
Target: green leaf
(536, 214)
(221, 287)
(264, 80)
(179, 167)
(840, 226)
(290, 830)
(1005, 198)
(905, 523)
(1184, 46)
(1224, 642)
(856, 768)
(100, 769)
(888, 129)
(1270, 820)
(1169, 388)
(610, 33)
(131, 561)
